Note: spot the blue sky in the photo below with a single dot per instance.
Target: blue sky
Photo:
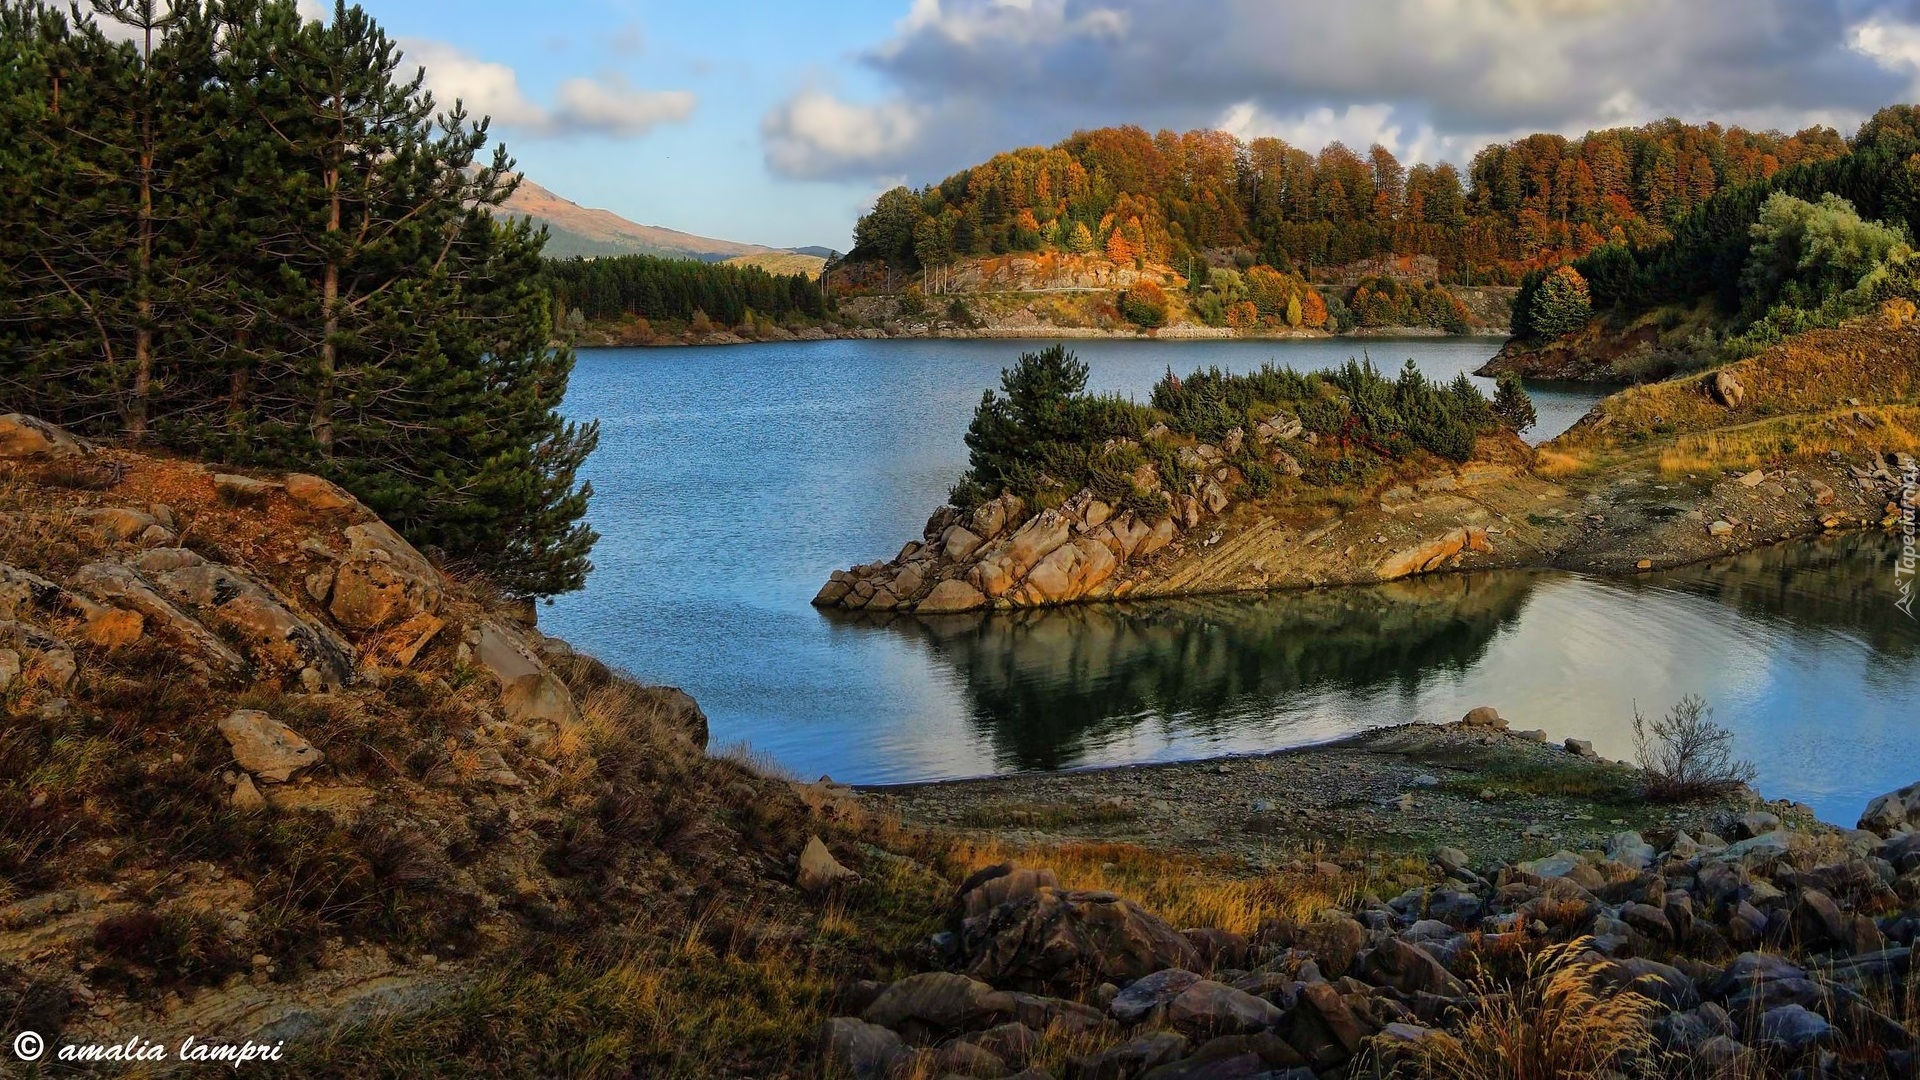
(777, 123)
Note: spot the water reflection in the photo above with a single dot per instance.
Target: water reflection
(1045, 687)
(1798, 647)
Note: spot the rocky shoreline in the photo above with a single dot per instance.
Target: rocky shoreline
(612, 339)
(1728, 938)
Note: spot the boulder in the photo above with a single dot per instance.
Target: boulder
(1068, 572)
(113, 627)
(1793, 1029)
(951, 596)
(1726, 389)
(10, 668)
(1070, 937)
(383, 580)
(935, 1001)
(959, 543)
(241, 489)
(246, 798)
(1896, 811)
(1130, 1059)
(319, 495)
(1147, 998)
(867, 1051)
(1323, 1028)
(819, 870)
(267, 748)
(1407, 968)
(274, 635)
(24, 436)
(1485, 716)
(529, 693)
(1211, 1008)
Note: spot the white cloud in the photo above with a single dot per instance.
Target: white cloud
(606, 106)
(815, 133)
(314, 9)
(1428, 78)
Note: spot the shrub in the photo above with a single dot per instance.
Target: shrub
(1144, 304)
(1685, 755)
(1561, 304)
(1512, 405)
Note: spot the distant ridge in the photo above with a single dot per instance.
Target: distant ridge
(573, 230)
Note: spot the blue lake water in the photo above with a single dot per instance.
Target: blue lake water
(730, 481)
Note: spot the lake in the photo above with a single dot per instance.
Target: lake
(731, 480)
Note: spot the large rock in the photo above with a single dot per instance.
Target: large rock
(1032, 542)
(1407, 968)
(319, 495)
(267, 748)
(1130, 1059)
(1068, 938)
(1068, 572)
(274, 635)
(818, 869)
(1726, 389)
(1896, 811)
(1209, 1008)
(1430, 555)
(383, 580)
(23, 436)
(867, 1051)
(120, 586)
(1147, 998)
(935, 1001)
(529, 693)
(951, 596)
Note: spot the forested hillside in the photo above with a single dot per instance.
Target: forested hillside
(1166, 197)
(243, 235)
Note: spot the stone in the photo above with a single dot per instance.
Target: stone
(1211, 1008)
(1581, 747)
(1726, 389)
(1407, 968)
(1132, 1058)
(818, 869)
(383, 580)
(936, 1000)
(966, 1059)
(1042, 1013)
(867, 1051)
(246, 798)
(23, 436)
(267, 748)
(319, 495)
(832, 593)
(1033, 541)
(529, 693)
(1011, 1042)
(1146, 998)
(1793, 1029)
(1754, 823)
(406, 641)
(1816, 922)
(1629, 850)
(1070, 937)
(117, 523)
(1323, 1027)
(1485, 716)
(10, 667)
(1892, 812)
(1720, 528)
(1753, 479)
(240, 489)
(960, 543)
(950, 596)
(1068, 572)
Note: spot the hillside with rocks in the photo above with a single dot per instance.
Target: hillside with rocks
(1810, 436)
(267, 770)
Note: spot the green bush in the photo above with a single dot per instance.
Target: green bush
(1560, 304)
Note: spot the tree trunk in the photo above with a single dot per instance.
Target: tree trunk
(330, 323)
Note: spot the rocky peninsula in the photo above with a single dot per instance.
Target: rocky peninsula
(1806, 437)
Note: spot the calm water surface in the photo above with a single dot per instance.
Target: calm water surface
(730, 481)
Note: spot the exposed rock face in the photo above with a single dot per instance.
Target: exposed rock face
(1894, 812)
(1209, 537)
(319, 495)
(529, 693)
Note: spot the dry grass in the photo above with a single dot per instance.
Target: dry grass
(1557, 1022)
(1184, 890)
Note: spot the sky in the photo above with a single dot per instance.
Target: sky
(778, 122)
